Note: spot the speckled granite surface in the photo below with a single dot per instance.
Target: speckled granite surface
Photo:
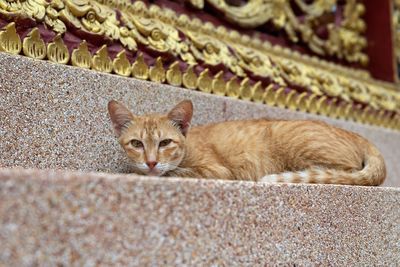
(54, 116)
(76, 219)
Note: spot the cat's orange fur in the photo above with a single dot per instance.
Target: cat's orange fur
(257, 150)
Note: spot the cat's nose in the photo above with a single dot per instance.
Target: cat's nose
(151, 164)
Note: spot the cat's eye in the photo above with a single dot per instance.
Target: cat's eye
(165, 142)
(136, 143)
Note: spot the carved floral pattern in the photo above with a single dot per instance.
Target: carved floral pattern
(345, 41)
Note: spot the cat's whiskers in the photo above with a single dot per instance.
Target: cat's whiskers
(141, 167)
(164, 167)
(159, 169)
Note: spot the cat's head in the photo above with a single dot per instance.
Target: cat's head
(155, 143)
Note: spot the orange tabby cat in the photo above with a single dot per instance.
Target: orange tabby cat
(258, 150)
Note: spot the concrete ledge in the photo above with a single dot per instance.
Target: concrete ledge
(54, 116)
(84, 219)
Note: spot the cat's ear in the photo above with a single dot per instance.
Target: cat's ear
(120, 116)
(181, 115)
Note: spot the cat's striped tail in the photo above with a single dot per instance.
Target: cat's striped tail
(373, 173)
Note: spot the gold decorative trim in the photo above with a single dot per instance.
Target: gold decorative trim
(344, 40)
(140, 69)
(161, 29)
(10, 40)
(396, 29)
(157, 72)
(233, 88)
(204, 81)
(332, 90)
(81, 56)
(158, 30)
(121, 64)
(33, 46)
(57, 51)
(174, 74)
(101, 61)
(189, 78)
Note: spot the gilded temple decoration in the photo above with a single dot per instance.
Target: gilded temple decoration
(57, 51)
(91, 17)
(174, 74)
(81, 56)
(233, 88)
(256, 62)
(345, 41)
(396, 25)
(204, 81)
(213, 52)
(121, 64)
(33, 45)
(147, 42)
(189, 78)
(218, 84)
(140, 69)
(101, 61)
(51, 18)
(35, 9)
(9, 40)
(157, 72)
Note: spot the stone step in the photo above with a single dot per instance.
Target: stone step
(55, 116)
(64, 218)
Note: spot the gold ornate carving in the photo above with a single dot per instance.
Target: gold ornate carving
(344, 41)
(57, 51)
(9, 40)
(291, 100)
(101, 61)
(258, 63)
(89, 16)
(396, 26)
(33, 45)
(174, 74)
(204, 82)
(157, 72)
(158, 30)
(269, 96)
(121, 64)
(213, 52)
(81, 56)
(245, 92)
(35, 9)
(257, 92)
(52, 18)
(158, 36)
(189, 78)
(233, 88)
(280, 98)
(218, 84)
(140, 69)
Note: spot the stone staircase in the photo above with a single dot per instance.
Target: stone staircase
(83, 214)
(62, 218)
